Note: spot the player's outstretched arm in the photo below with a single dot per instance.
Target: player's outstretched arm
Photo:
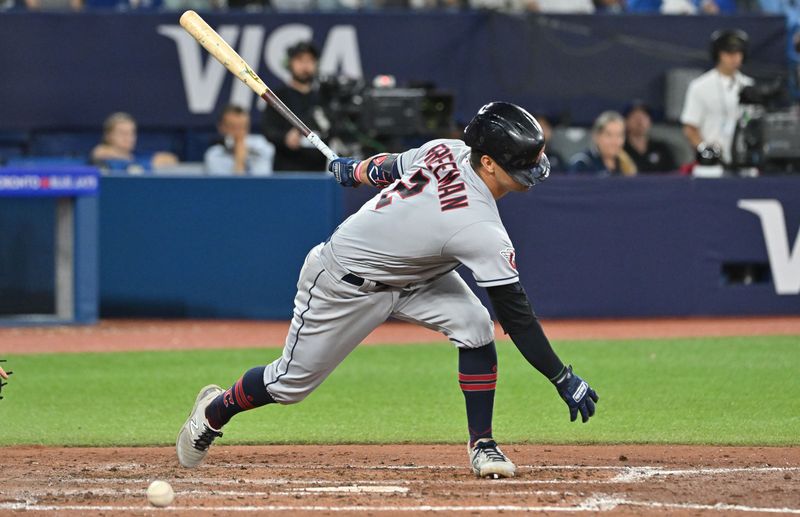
(378, 171)
(513, 310)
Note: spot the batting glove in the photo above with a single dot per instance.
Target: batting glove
(577, 394)
(344, 170)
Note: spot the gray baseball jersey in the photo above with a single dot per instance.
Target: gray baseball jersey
(404, 244)
(438, 215)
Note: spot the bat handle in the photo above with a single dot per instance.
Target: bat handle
(321, 146)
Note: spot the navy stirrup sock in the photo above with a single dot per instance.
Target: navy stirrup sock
(477, 375)
(248, 392)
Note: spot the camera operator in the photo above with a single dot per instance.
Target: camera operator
(711, 109)
(292, 151)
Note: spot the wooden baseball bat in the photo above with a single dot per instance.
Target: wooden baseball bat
(217, 47)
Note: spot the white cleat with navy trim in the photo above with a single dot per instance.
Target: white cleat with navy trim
(196, 435)
(488, 461)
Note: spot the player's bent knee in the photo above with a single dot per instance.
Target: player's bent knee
(474, 329)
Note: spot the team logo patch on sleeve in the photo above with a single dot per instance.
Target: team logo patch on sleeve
(510, 256)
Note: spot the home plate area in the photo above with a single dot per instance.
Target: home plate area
(403, 479)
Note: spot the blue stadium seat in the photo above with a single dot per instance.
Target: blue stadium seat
(77, 143)
(12, 144)
(197, 141)
(42, 161)
(149, 141)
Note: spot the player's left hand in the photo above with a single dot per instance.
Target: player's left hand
(577, 394)
(3, 375)
(344, 170)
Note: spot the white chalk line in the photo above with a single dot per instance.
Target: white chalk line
(137, 492)
(591, 504)
(603, 503)
(529, 467)
(637, 474)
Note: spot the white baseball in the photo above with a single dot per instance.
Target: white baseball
(160, 493)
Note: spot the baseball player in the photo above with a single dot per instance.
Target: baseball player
(3, 375)
(397, 257)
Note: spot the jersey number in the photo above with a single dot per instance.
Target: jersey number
(416, 184)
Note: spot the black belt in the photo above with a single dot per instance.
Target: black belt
(357, 281)
(350, 278)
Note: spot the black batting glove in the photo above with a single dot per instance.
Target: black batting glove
(344, 170)
(576, 393)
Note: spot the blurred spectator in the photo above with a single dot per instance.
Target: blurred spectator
(399, 4)
(540, 6)
(609, 6)
(292, 151)
(289, 5)
(649, 155)
(197, 5)
(132, 5)
(54, 5)
(606, 156)
(557, 162)
(238, 152)
(565, 6)
(711, 109)
(116, 151)
(682, 6)
(789, 8)
(504, 5)
(543, 6)
(249, 5)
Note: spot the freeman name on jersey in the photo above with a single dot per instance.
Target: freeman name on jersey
(442, 164)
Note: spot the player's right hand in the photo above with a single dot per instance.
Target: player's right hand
(577, 394)
(344, 170)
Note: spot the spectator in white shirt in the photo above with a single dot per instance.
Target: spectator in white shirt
(543, 6)
(711, 109)
(239, 152)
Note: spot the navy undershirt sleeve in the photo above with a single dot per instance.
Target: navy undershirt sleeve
(515, 314)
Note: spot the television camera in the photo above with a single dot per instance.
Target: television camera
(767, 135)
(380, 116)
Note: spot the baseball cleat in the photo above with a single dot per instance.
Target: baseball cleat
(196, 435)
(488, 461)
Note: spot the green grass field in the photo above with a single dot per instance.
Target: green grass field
(743, 391)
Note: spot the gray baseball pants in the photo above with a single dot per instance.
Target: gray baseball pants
(332, 316)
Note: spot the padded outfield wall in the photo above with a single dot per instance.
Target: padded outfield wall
(585, 247)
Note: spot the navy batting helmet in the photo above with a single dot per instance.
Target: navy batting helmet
(511, 137)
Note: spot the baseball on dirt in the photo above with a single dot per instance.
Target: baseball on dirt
(160, 493)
